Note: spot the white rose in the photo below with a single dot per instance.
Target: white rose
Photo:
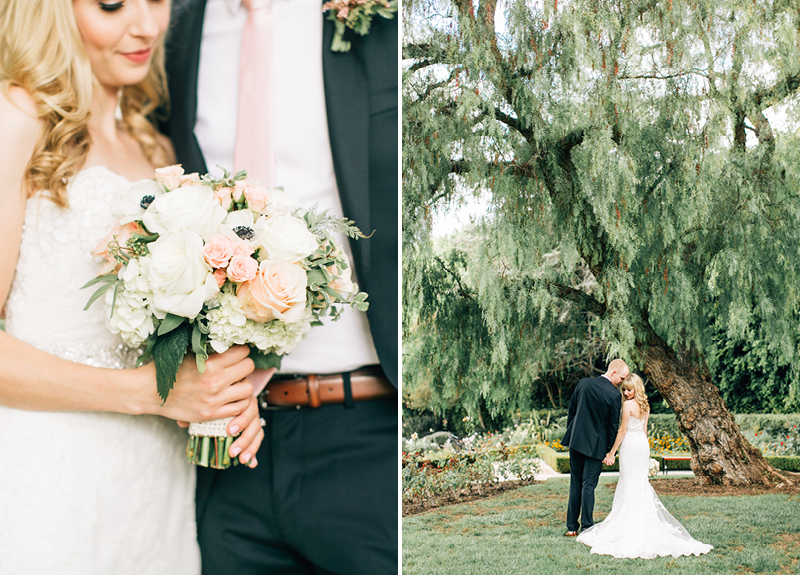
(130, 203)
(280, 203)
(191, 208)
(179, 276)
(288, 238)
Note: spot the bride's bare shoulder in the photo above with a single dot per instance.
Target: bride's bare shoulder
(17, 106)
(19, 124)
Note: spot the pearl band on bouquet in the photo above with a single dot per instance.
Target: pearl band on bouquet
(216, 428)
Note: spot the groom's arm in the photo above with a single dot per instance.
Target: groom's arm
(613, 425)
(573, 406)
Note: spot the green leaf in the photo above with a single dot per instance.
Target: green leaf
(335, 295)
(169, 323)
(110, 277)
(317, 277)
(264, 360)
(168, 354)
(114, 300)
(100, 291)
(199, 346)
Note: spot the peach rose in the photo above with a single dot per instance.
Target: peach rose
(192, 179)
(242, 248)
(121, 234)
(342, 284)
(218, 251)
(220, 275)
(170, 176)
(277, 292)
(242, 269)
(223, 196)
(256, 196)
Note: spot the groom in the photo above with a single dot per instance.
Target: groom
(323, 498)
(592, 425)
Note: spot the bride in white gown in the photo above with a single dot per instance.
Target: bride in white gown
(93, 477)
(639, 525)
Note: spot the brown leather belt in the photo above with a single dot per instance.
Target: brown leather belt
(315, 390)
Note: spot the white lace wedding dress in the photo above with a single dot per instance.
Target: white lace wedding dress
(85, 493)
(639, 525)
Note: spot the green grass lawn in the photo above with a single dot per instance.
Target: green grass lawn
(522, 531)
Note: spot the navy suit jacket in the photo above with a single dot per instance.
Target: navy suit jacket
(593, 418)
(361, 100)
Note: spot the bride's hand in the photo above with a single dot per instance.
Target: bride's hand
(247, 444)
(222, 390)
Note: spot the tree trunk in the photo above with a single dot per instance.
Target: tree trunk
(720, 454)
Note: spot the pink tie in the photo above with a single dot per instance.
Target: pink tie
(254, 150)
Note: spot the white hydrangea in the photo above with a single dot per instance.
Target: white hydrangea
(278, 337)
(131, 317)
(227, 323)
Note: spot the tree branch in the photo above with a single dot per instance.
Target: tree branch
(587, 302)
(464, 292)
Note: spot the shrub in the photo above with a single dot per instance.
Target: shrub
(785, 463)
(485, 459)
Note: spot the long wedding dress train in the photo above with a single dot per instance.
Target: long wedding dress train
(85, 493)
(639, 525)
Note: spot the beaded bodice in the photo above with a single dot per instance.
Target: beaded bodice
(54, 263)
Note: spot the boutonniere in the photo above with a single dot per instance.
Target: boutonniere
(356, 15)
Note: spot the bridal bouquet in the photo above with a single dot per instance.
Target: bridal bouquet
(653, 469)
(203, 264)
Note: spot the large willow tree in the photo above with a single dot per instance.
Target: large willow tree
(650, 144)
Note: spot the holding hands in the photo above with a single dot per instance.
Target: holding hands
(609, 458)
(221, 391)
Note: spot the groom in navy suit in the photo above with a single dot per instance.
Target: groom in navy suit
(324, 496)
(592, 425)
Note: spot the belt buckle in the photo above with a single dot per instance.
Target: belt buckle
(262, 397)
(264, 406)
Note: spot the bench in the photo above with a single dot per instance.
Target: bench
(666, 458)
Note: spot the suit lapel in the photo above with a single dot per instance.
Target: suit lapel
(183, 63)
(347, 107)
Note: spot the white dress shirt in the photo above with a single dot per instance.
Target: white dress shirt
(303, 163)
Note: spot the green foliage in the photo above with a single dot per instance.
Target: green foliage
(168, 353)
(638, 186)
(752, 377)
(785, 462)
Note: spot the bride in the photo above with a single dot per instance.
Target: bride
(638, 525)
(93, 478)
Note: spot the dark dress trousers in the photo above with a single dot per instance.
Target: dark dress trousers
(592, 425)
(324, 496)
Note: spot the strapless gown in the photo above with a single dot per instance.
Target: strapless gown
(639, 525)
(85, 493)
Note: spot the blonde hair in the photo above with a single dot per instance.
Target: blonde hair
(635, 383)
(41, 51)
